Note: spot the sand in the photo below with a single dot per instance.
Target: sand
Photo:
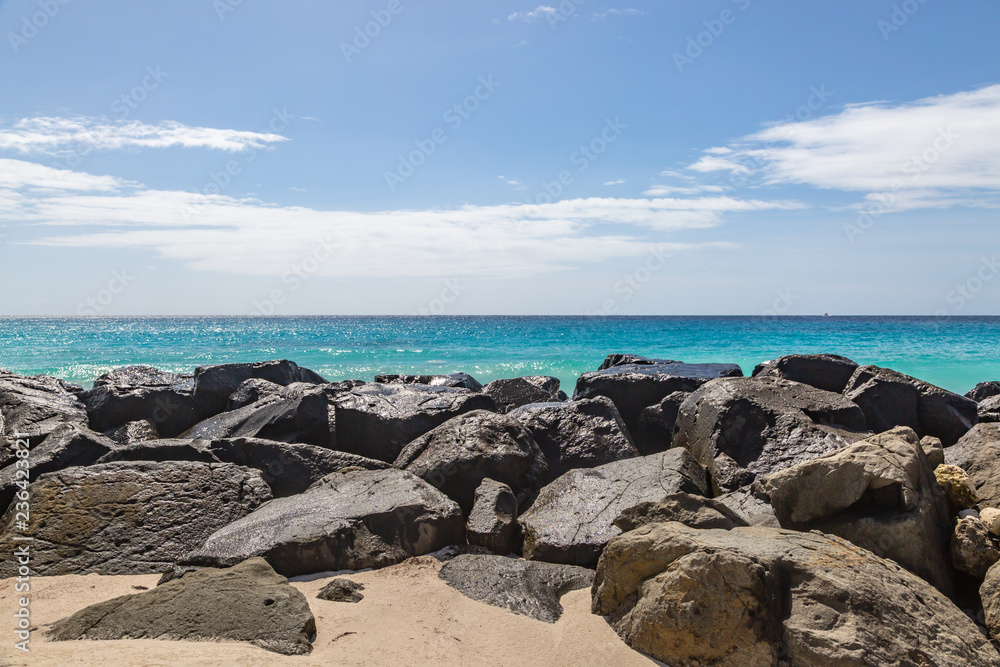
(408, 617)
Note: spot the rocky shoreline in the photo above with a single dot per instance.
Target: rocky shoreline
(816, 513)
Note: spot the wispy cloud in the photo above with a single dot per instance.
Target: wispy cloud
(934, 152)
(597, 16)
(246, 236)
(517, 185)
(620, 181)
(538, 12)
(671, 190)
(59, 136)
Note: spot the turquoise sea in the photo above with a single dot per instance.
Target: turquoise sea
(954, 353)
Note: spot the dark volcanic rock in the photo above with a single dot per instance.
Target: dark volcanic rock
(984, 390)
(573, 517)
(66, 446)
(829, 372)
(577, 434)
(35, 406)
(989, 410)
(342, 590)
(619, 359)
(655, 431)
(133, 432)
(346, 521)
(378, 420)
(133, 393)
(248, 602)
(492, 522)
(890, 399)
(252, 390)
(458, 455)
(300, 417)
(514, 392)
(762, 596)
(289, 469)
(213, 385)
(880, 494)
(129, 517)
(635, 387)
(458, 380)
(978, 454)
(524, 587)
(691, 510)
(740, 428)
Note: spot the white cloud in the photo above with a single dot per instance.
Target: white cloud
(933, 152)
(620, 181)
(517, 185)
(18, 174)
(246, 236)
(62, 136)
(536, 13)
(597, 16)
(669, 190)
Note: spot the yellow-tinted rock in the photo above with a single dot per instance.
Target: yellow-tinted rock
(955, 483)
(991, 517)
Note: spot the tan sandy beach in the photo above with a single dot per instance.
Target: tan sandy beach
(407, 617)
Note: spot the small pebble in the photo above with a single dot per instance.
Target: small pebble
(968, 513)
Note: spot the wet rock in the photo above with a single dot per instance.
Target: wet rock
(457, 380)
(577, 434)
(984, 390)
(524, 587)
(252, 390)
(760, 596)
(514, 392)
(829, 372)
(492, 522)
(247, 602)
(655, 431)
(342, 590)
(618, 359)
(573, 517)
(213, 385)
(35, 406)
(298, 416)
(143, 393)
(989, 410)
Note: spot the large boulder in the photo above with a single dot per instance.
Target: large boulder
(289, 469)
(989, 593)
(165, 400)
(527, 588)
(248, 602)
(741, 428)
(620, 359)
(891, 399)
(573, 517)
(689, 509)
(35, 406)
(577, 434)
(132, 432)
(880, 494)
(294, 416)
(346, 521)
(984, 390)
(978, 454)
(655, 431)
(67, 446)
(764, 596)
(213, 385)
(972, 550)
(378, 420)
(829, 372)
(492, 522)
(750, 505)
(989, 410)
(458, 380)
(634, 387)
(459, 454)
(129, 517)
(512, 393)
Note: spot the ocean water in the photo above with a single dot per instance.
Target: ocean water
(954, 353)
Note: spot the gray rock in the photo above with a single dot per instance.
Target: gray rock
(749, 506)
(829, 372)
(890, 399)
(213, 385)
(299, 417)
(247, 602)
(524, 587)
(761, 596)
(133, 393)
(984, 390)
(66, 446)
(514, 392)
(978, 454)
(458, 380)
(573, 517)
(635, 387)
(691, 510)
(129, 517)
(252, 390)
(880, 494)
(378, 420)
(577, 434)
(289, 469)
(133, 432)
(346, 521)
(342, 590)
(989, 593)
(619, 359)
(35, 406)
(492, 522)
(762, 425)
(655, 431)
(933, 449)
(458, 455)
(972, 550)
(989, 410)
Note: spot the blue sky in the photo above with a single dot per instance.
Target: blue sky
(724, 157)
